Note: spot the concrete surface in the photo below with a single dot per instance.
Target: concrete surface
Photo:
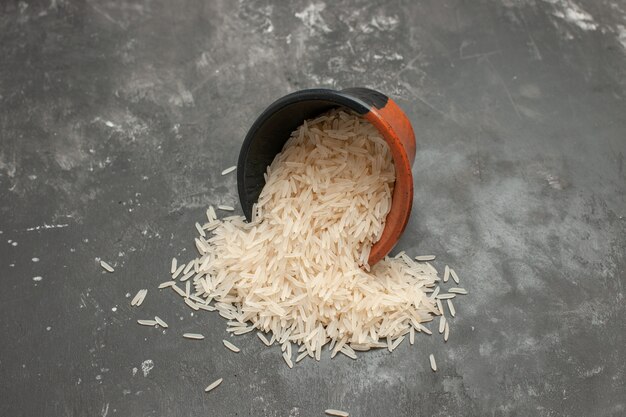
(117, 117)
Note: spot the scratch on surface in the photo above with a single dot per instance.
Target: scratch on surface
(621, 35)
(106, 16)
(47, 226)
(146, 367)
(312, 18)
(533, 45)
(506, 89)
(385, 23)
(105, 410)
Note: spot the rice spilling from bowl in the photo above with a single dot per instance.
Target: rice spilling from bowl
(299, 268)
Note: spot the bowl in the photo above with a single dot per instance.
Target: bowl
(273, 127)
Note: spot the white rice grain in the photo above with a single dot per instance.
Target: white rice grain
(301, 356)
(194, 336)
(433, 364)
(229, 170)
(225, 207)
(456, 290)
(139, 298)
(263, 339)
(425, 258)
(160, 322)
(106, 266)
(446, 273)
(451, 308)
(147, 322)
(178, 271)
(191, 304)
(337, 413)
(213, 385)
(446, 296)
(230, 346)
(178, 290)
(454, 276)
(287, 359)
(442, 324)
(200, 230)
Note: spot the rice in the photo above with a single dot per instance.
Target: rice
(191, 304)
(166, 284)
(160, 322)
(210, 214)
(300, 268)
(263, 339)
(442, 324)
(178, 290)
(213, 385)
(147, 322)
(456, 290)
(189, 266)
(195, 336)
(454, 276)
(346, 350)
(230, 346)
(106, 266)
(178, 271)
(229, 170)
(200, 230)
(439, 306)
(287, 359)
(446, 273)
(445, 296)
(451, 308)
(433, 364)
(139, 298)
(174, 265)
(338, 413)
(187, 276)
(446, 332)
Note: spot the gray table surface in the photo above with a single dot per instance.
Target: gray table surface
(117, 117)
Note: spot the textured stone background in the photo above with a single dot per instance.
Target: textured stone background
(116, 118)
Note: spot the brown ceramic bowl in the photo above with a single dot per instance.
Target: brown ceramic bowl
(268, 134)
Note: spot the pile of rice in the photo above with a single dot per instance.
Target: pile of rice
(299, 269)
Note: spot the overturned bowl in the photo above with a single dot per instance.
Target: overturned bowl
(272, 129)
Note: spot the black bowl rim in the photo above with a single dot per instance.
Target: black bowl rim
(341, 98)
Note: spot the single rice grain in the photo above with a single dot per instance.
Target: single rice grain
(230, 346)
(451, 308)
(433, 364)
(229, 170)
(106, 266)
(337, 413)
(195, 336)
(213, 385)
(454, 276)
